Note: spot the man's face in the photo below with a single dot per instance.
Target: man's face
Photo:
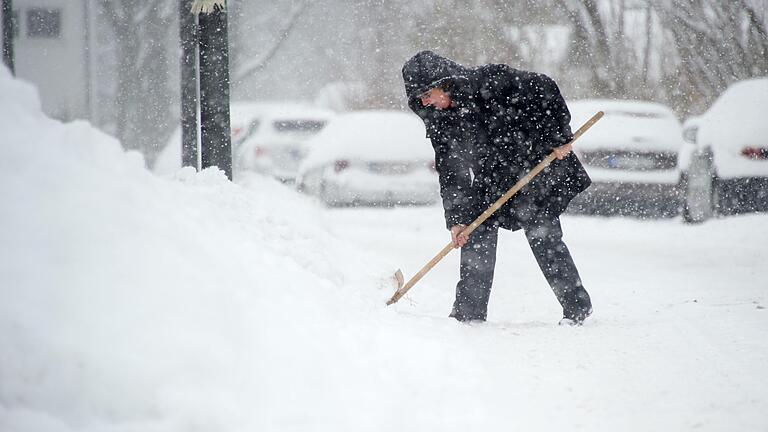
(437, 98)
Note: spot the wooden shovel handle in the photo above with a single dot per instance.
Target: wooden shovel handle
(488, 212)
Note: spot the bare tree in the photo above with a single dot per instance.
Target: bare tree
(600, 47)
(717, 43)
(525, 35)
(253, 65)
(143, 98)
(470, 32)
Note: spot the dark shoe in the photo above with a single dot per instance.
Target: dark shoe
(576, 319)
(465, 318)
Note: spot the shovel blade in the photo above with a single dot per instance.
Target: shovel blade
(398, 279)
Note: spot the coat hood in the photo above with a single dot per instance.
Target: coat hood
(427, 70)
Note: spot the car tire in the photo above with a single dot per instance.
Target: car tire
(700, 189)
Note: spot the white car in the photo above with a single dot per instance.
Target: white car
(631, 155)
(371, 157)
(725, 159)
(277, 143)
(243, 122)
(267, 137)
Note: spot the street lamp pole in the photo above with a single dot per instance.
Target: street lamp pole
(214, 85)
(189, 125)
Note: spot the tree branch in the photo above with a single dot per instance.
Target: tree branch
(261, 62)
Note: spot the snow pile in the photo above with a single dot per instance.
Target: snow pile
(132, 302)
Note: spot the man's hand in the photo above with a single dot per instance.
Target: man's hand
(459, 239)
(562, 151)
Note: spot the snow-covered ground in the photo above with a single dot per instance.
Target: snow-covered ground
(677, 341)
(132, 302)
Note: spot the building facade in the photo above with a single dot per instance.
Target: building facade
(51, 50)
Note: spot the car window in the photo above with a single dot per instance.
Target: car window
(298, 126)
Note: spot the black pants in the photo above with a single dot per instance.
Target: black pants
(478, 260)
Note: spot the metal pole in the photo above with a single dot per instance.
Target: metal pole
(8, 60)
(189, 125)
(214, 91)
(87, 54)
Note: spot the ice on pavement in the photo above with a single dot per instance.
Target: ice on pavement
(132, 302)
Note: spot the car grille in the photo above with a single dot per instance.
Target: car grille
(629, 160)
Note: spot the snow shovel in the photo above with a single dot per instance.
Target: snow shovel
(403, 288)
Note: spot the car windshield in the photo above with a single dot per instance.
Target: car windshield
(298, 126)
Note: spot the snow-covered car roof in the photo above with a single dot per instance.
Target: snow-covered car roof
(627, 125)
(738, 118)
(375, 135)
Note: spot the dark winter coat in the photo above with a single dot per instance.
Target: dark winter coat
(503, 122)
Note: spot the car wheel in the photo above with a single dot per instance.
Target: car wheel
(700, 190)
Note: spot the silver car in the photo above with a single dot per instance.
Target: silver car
(276, 141)
(371, 158)
(631, 156)
(725, 159)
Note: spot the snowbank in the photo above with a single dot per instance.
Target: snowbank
(132, 302)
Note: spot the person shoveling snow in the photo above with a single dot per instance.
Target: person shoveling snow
(489, 126)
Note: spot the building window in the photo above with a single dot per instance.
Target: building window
(43, 23)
